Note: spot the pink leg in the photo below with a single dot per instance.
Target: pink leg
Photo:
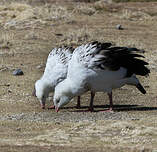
(56, 109)
(51, 107)
(91, 101)
(91, 109)
(78, 102)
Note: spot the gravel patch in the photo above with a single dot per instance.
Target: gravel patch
(68, 116)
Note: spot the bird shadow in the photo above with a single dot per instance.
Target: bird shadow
(118, 108)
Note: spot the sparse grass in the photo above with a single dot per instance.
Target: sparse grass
(135, 0)
(134, 15)
(152, 13)
(130, 42)
(101, 6)
(53, 13)
(15, 14)
(78, 36)
(6, 40)
(84, 9)
(49, 25)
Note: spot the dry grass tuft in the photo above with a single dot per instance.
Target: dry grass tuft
(16, 13)
(80, 36)
(15, 7)
(76, 37)
(53, 13)
(6, 41)
(134, 15)
(18, 7)
(107, 7)
(85, 9)
(130, 42)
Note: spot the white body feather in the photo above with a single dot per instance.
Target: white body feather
(55, 72)
(56, 66)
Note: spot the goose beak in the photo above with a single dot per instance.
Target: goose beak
(57, 109)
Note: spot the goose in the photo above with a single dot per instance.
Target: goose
(55, 72)
(100, 67)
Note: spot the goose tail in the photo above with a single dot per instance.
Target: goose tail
(141, 88)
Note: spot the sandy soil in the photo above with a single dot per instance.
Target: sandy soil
(28, 32)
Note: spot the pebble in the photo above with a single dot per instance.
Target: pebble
(119, 27)
(18, 129)
(9, 91)
(40, 66)
(11, 23)
(18, 72)
(31, 36)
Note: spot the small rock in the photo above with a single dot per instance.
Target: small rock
(18, 72)
(18, 129)
(31, 36)
(119, 27)
(57, 123)
(107, 1)
(27, 94)
(40, 66)
(10, 24)
(58, 34)
(9, 91)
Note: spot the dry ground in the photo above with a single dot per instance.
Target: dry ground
(28, 31)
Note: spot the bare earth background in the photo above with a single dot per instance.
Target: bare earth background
(28, 31)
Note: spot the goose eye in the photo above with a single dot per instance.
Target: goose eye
(57, 101)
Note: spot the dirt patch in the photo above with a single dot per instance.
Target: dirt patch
(70, 149)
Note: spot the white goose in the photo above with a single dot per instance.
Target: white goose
(55, 72)
(100, 68)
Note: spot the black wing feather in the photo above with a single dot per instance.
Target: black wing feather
(116, 57)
